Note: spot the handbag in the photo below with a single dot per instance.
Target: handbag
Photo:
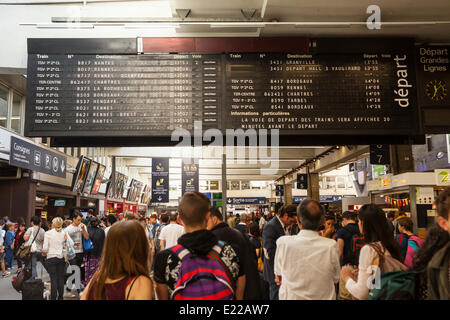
(24, 251)
(87, 245)
(68, 249)
(21, 277)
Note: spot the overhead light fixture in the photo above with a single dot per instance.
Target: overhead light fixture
(237, 25)
(65, 26)
(151, 25)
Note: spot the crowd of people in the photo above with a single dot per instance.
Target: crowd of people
(298, 253)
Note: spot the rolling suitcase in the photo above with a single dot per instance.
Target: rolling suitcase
(33, 289)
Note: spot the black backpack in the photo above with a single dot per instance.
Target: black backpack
(33, 289)
(357, 244)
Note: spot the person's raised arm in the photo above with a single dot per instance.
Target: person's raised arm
(85, 233)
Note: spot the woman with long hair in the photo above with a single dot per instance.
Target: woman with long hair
(124, 271)
(53, 249)
(379, 243)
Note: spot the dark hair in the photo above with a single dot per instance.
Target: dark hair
(94, 222)
(253, 229)
(406, 223)
(376, 228)
(35, 220)
(173, 216)
(391, 214)
(443, 204)
(328, 217)
(290, 210)
(193, 208)
(164, 218)
(2, 221)
(436, 239)
(77, 214)
(90, 211)
(111, 219)
(130, 216)
(310, 219)
(349, 215)
(215, 212)
(154, 216)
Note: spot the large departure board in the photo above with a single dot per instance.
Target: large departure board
(322, 91)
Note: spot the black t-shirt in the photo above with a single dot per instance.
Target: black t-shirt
(167, 263)
(346, 233)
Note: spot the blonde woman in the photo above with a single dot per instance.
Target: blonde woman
(53, 250)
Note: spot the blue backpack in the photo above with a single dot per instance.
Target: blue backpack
(202, 278)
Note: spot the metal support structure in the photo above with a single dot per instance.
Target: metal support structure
(224, 186)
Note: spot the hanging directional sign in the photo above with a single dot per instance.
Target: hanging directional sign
(189, 176)
(160, 180)
(30, 156)
(302, 181)
(247, 200)
(379, 154)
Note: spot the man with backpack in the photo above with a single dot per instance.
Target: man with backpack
(199, 267)
(346, 236)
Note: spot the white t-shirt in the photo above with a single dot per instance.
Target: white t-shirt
(2, 236)
(53, 243)
(76, 233)
(170, 234)
(33, 232)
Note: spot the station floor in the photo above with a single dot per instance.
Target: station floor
(7, 292)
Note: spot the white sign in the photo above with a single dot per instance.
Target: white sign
(424, 195)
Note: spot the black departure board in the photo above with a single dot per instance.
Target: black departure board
(310, 92)
(122, 95)
(325, 91)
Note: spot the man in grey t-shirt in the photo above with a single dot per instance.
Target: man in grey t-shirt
(35, 233)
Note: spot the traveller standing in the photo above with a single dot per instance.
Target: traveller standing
(437, 238)
(277, 227)
(242, 225)
(37, 233)
(164, 222)
(438, 270)
(18, 241)
(345, 237)
(2, 249)
(307, 265)
(92, 258)
(53, 250)
(408, 242)
(110, 220)
(244, 250)
(9, 245)
(198, 253)
(170, 234)
(379, 240)
(262, 221)
(77, 231)
(154, 224)
(328, 228)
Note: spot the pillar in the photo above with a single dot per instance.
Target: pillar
(287, 192)
(401, 159)
(313, 185)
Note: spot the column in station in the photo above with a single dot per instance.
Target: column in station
(313, 185)
(287, 192)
